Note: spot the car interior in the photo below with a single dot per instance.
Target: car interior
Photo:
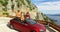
(19, 20)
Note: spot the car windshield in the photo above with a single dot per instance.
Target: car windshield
(31, 21)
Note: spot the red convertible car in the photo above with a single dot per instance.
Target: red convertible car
(28, 25)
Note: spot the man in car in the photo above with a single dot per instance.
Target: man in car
(18, 15)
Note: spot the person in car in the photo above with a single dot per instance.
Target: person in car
(22, 17)
(18, 14)
(27, 15)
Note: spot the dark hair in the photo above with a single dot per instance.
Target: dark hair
(27, 13)
(18, 10)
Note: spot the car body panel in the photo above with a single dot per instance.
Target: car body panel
(27, 27)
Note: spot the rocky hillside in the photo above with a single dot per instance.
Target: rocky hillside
(9, 7)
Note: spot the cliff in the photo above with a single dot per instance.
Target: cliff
(9, 7)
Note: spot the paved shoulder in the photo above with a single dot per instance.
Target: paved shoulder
(3, 27)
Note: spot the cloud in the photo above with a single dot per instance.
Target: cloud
(41, 1)
(45, 0)
(51, 3)
(49, 6)
(50, 11)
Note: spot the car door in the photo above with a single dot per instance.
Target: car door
(17, 25)
(25, 27)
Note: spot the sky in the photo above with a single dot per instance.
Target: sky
(48, 6)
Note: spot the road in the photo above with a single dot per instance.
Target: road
(3, 25)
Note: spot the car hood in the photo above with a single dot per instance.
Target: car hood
(39, 26)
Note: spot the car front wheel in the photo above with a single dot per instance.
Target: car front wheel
(11, 26)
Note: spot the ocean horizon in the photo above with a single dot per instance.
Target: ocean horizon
(55, 17)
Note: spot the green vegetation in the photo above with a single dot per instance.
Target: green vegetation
(4, 3)
(22, 1)
(5, 13)
(37, 17)
(48, 19)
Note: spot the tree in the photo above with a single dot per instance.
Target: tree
(22, 2)
(4, 3)
(37, 17)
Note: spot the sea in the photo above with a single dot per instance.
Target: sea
(55, 17)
